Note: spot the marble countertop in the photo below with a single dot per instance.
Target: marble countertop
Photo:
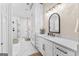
(62, 41)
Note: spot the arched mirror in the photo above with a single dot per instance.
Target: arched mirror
(54, 23)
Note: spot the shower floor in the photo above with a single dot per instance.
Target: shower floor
(23, 48)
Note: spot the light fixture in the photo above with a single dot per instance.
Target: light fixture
(53, 7)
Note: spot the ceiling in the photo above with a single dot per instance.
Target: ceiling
(48, 6)
(20, 9)
(23, 9)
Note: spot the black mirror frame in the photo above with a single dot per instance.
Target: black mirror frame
(59, 23)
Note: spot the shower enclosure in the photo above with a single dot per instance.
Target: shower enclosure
(14, 25)
(19, 22)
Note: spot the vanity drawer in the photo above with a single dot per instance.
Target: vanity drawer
(61, 51)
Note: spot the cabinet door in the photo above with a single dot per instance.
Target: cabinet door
(39, 43)
(44, 46)
(42, 50)
(48, 48)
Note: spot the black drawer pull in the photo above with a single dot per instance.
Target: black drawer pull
(62, 51)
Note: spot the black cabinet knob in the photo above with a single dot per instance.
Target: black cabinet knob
(1, 43)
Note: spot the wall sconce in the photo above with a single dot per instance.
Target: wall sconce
(77, 26)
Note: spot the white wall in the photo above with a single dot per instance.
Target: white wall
(36, 20)
(37, 17)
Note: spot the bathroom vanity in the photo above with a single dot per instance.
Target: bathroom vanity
(56, 46)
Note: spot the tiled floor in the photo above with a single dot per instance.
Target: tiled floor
(23, 48)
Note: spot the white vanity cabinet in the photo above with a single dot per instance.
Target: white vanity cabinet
(54, 46)
(36, 20)
(48, 48)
